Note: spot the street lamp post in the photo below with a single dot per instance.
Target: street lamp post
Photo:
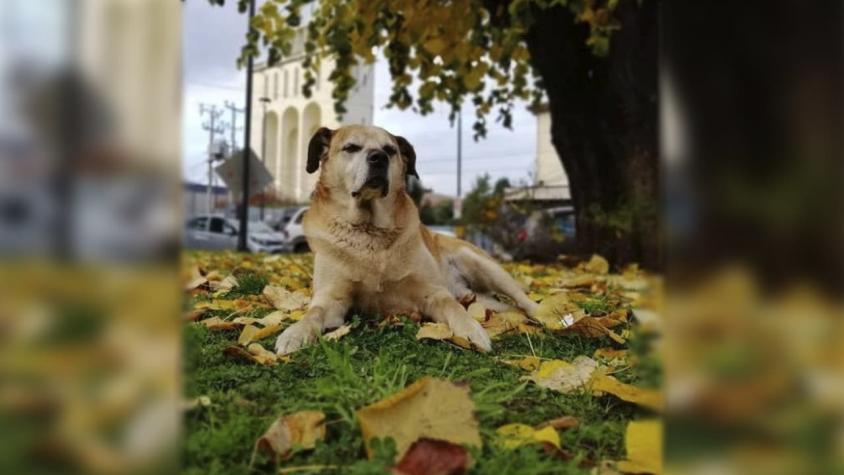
(264, 102)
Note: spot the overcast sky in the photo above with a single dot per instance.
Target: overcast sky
(212, 39)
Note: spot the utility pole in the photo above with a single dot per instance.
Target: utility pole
(213, 128)
(459, 153)
(247, 130)
(458, 203)
(232, 107)
(264, 101)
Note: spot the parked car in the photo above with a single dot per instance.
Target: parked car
(293, 233)
(219, 232)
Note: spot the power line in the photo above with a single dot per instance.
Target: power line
(214, 86)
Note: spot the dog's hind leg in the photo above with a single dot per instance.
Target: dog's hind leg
(483, 275)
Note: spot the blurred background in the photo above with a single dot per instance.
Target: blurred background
(703, 142)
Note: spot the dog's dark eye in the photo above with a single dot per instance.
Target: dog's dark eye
(390, 150)
(351, 148)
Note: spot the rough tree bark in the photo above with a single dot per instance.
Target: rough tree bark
(604, 127)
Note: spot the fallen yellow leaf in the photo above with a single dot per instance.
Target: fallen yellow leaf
(477, 311)
(434, 331)
(503, 322)
(252, 333)
(247, 334)
(597, 265)
(284, 299)
(528, 363)
(563, 376)
(430, 407)
(643, 441)
(512, 436)
(649, 398)
(558, 312)
(299, 429)
(273, 318)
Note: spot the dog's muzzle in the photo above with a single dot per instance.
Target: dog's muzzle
(377, 177)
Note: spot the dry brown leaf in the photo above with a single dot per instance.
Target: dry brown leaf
(433, 457)
(229, 305)
(504, 322)
(512, 436)
(194, 315)
(594, 328)
(612, 357)
(560, 423)
(577, 281)
(262, 355)
(299, 429)
(223, 285)
(340, 332)
(256, 354)
(643, 440)
(283, 299)
(217, 323)
(431, 408)
(195, 279)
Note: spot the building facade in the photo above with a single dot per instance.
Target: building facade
(549, 169)
(289, 119)
(550, 184)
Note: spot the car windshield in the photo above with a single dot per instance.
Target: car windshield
(259, 227)
(254, 226)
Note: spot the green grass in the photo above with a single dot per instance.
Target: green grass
(371, 363)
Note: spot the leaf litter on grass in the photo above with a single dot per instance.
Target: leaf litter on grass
(261, 295)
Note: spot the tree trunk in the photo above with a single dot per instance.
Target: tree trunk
(604, 127)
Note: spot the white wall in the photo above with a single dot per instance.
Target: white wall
(549, 169)
(299, 117)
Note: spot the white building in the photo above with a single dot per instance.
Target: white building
(291, 118)
(549, 169)
(551, 184)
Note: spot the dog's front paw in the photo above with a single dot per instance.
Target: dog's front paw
(470, 329)
(296, 337)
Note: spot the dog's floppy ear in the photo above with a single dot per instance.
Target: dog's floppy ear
(407, 150)
(317, 147)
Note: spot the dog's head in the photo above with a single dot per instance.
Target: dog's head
(364, 161)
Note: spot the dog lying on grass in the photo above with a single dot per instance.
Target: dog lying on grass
(373, 254)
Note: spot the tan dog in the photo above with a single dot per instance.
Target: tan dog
(373, 254)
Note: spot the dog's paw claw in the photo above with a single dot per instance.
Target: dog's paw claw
(294, 338)
(473, 331)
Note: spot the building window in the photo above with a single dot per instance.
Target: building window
(364, 79)
(286, 89)
(275, 86)
(296, 82)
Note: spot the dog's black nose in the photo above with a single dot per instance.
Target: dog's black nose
(377, 159)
